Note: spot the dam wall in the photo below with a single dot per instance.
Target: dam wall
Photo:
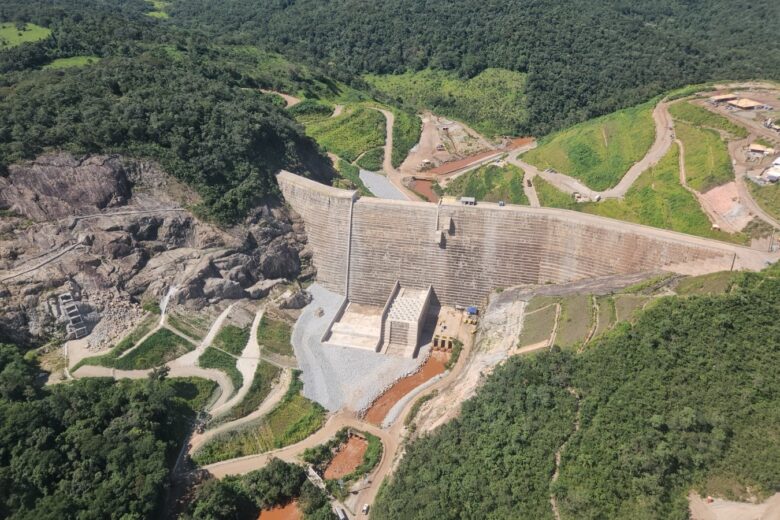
(464, 252)
(326, 213)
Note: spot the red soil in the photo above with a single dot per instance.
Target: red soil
(452, 166)
(289, 511)
(433, 366)
(347, 459)
(425, 188)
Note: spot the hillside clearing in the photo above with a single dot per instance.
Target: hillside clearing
(599, 151)
(12, 35)
(492, 102)
(490, 183)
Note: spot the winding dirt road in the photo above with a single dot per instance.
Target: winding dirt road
(393, 175)
(664, 131)
(391, 439)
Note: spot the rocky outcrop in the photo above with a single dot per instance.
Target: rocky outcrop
(117, 233)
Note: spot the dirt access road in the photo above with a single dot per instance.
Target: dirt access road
(391, 439)
(290, 100)
(393, 175)
(664, 131)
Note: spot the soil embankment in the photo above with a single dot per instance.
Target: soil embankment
(434, 366)
(289, 511)
(347, 459)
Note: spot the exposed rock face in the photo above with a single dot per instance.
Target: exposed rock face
(56, 186)
(114, 231)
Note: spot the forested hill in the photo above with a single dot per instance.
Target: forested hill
(583, 58)
(686, 398)
(145, 88)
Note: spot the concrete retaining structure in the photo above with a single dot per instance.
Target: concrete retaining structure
(464, 252)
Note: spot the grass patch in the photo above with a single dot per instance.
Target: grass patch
(406, 134)
(575, 321)
(156, 350)
(13, 34)
(350, 178)
(108, 359)
(274, 336)
(491, 183)
(232, 339)
(493, 101)
(707, 162)
(656, 199)
(310, 111)
(701, 117)
(195, 391)
(372, 159)
(627, 306)
(73, 61)
(417, 405)
(265, 375)
(357, 130)
(457, 348)
(537, 327)
(294, 419)
(768, 197)
(195, 327)
(599, 151)
(213, 358)
(712, 283)
(607, 316)
(159, 8)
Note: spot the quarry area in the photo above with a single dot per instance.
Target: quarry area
(348, 321)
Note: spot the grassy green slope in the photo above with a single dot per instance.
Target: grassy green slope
(656, 199)
(11, 36)
(493, 102)
(599, 151)
(707, 162)
(74, 61)
(698, 116)
(355, 131)
(491, 183)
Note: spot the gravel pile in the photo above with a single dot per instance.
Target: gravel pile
(380, 186)
(338, 377)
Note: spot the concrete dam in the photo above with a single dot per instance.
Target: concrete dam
(362, 247)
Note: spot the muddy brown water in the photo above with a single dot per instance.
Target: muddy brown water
(347, 459)
(433, 366)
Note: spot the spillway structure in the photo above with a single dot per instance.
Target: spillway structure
(367, 248)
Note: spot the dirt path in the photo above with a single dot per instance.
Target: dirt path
(390, 437)
(269, 403)
(395, 176)
(555, 325)
(337, 110)
(290, 100)
(247, 365)
(559, 452)
(595, 326)
(664, 130)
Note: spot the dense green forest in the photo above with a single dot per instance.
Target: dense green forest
(241, 498)
(195, 108)
(581, 58)
(88, 449)
(687, 397)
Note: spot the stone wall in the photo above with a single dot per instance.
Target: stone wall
(464, 252)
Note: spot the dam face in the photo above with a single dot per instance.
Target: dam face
(363, 246)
